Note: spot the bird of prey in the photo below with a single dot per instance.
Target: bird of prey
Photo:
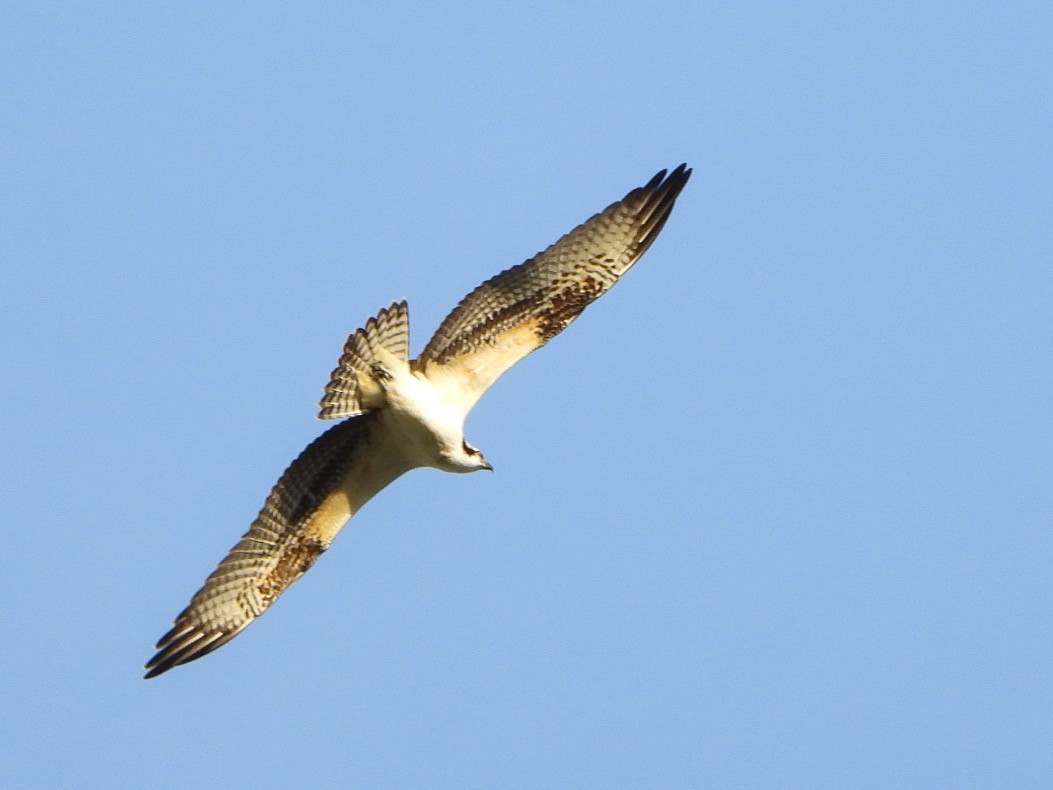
(402, 414)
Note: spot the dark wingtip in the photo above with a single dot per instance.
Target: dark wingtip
(156, 665)
(664, 186)
(657, 179)
(681, 173)
(182, 645)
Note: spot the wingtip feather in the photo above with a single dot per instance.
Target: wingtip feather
(191, 644)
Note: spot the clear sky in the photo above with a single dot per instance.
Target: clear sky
(775, 512)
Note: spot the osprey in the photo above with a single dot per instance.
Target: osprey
(405, 414)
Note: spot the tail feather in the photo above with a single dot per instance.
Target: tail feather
(351, 384)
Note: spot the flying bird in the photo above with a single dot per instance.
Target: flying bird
(400, 414)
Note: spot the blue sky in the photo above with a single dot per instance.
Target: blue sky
(774, 513)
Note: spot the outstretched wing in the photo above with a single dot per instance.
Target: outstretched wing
(524, 307)
(330, 480)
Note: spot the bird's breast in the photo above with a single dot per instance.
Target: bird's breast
(420, 420)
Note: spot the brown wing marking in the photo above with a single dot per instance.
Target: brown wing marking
(311, 502)
(522, 308)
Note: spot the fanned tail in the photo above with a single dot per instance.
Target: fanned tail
(352, 386)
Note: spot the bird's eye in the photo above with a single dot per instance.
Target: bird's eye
(469, 450)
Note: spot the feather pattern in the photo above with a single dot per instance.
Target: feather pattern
(344, 395)
(522, 308)
(337, 473)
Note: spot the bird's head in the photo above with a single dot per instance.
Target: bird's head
(467, 459)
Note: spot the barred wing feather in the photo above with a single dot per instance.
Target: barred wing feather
(524, 307)
(330, 480)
